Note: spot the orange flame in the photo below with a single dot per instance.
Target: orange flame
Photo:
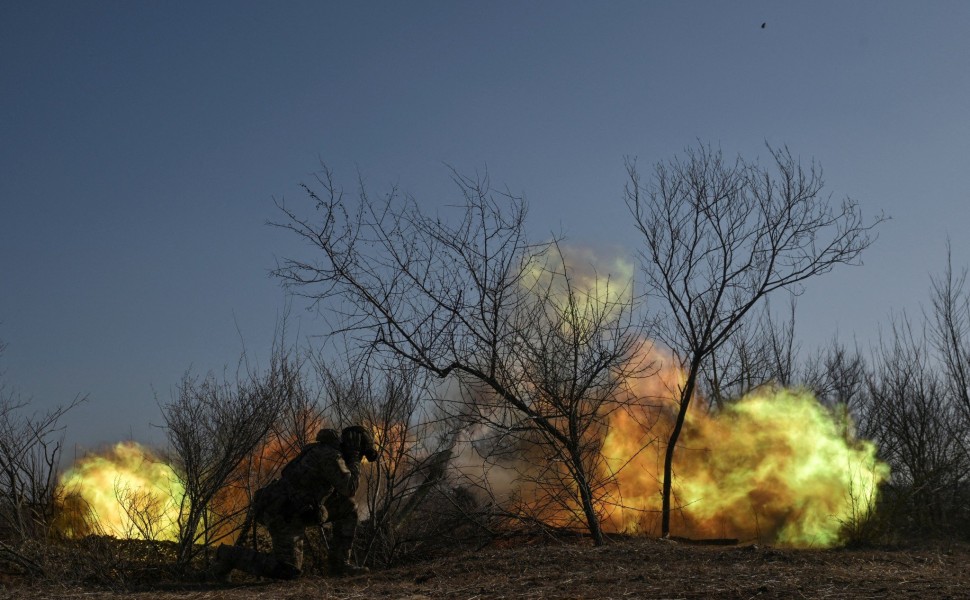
(129, 492)
(776, 466)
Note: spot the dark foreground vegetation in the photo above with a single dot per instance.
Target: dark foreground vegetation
(622, 568)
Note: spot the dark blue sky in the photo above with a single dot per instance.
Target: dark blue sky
(143, 142)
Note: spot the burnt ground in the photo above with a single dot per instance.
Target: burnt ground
(630, 568)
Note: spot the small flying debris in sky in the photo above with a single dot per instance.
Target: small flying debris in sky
(763, 24)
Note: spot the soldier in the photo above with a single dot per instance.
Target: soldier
(315, 487)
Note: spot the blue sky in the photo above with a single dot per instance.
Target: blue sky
(143, 144)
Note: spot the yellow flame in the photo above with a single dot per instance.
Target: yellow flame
(780, 459)
(776, 466)
(394, 442)
(130, 492)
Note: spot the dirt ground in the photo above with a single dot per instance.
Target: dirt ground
(630, 568)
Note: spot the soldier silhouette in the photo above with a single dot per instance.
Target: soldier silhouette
(317, 486)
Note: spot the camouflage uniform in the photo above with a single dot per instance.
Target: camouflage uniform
(317, 486)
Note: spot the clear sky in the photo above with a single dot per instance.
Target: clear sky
(142, 143)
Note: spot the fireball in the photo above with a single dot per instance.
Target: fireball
(128, 491)
(776, 466)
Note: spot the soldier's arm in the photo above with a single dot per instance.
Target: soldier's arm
(345, 477)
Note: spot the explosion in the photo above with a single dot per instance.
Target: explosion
(127, 492)
(775, 466)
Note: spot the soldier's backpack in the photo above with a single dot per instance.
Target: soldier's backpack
(279, 498)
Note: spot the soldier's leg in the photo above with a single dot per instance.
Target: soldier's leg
(342, 513)
(285, 562)
(247, 532)
(288, 545)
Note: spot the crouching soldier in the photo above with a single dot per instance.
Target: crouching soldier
(315, 487)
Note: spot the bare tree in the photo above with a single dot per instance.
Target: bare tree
(720, 236)
(574, 354)
(839, 378)
(451, 299)
(950, 334)
(393, 400)
(300, 416)
(910, 417)
(145, 512)
(761, 351)
(213, 427)
(30, 449)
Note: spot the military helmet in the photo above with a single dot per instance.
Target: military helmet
(329, 437)
(356, 438)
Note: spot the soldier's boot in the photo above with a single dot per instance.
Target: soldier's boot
(225, 561)
(262, 564)
(339, 564)
(338, 558)
(265, 565)
(249, 561)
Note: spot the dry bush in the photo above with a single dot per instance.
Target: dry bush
(414, 446)
(296, 424)
(30, 449)
(213, 427)
(911, 415)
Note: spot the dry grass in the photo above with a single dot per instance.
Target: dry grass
(627, 568)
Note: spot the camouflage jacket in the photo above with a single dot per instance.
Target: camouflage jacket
(308, 480)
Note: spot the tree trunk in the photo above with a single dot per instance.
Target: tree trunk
(586, 498)
(186, 542)
(685, 398)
